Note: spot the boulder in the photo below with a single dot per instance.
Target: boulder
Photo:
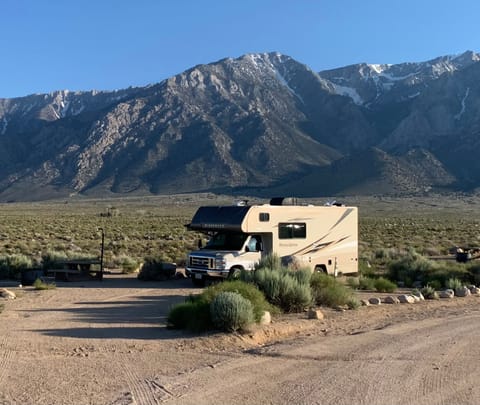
(418, 294)
(266, 318)
(375, 301)
(474, 290)
(415, 298)
(462, 292)
(364, 302)
(448, 293)
(315, 314)
(391, 300)
(7, 294)
(406, 299)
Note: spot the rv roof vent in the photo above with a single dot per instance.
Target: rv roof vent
(283, 201)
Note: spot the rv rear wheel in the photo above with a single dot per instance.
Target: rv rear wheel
(321, 268)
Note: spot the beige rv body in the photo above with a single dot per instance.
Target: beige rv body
(331, 235)
(323, 238)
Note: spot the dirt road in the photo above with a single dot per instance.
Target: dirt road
(106, 343)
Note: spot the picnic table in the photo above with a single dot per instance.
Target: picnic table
(78, 268)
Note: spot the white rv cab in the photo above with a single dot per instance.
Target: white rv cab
(323, 238)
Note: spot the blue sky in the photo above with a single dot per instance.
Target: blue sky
(48, 45)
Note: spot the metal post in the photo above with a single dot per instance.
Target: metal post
(101, 253)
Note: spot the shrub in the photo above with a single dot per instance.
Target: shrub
(453, 283)
(429, 293)
(435, 284)
(353, 302)
(231, 312)
(365, 268)
(384, 285)
(302, 275)
(366, 283)
(246, 290)
(193, 314)
(353, 283)
(473, 270)
(13, 264)
(154, 269)
(41, 285)
(127, 264)
(271, 261)
(53, 259)
(415, 267)
(327, 291)
(409, 268)
(282, 288)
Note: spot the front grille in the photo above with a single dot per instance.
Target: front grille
(202, 262)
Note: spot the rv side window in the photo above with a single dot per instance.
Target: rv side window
(292, 230)
(264, 217)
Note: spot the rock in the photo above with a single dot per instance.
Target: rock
(415, 298)
(474, 290)
(266, 318)
(448, 293)
(315, 314)
(462, 292)
(365, 302)
(418, 294)
(7, 294)
(406, 299)
(391, 300)
(375, 301)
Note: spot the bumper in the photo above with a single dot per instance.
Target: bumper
(202, 273)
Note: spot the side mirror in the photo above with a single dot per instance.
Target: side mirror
(200, 244)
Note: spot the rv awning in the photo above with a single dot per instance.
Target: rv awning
(217, 218)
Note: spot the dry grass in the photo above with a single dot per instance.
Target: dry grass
(155, 226)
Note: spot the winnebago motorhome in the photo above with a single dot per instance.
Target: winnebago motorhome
(324, 238)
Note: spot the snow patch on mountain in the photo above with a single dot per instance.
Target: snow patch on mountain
(64, 110)
(4, 126)
(348, 92)
(462, 110)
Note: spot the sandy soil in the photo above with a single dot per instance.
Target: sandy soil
(106, 343)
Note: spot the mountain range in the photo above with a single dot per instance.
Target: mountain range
(261, 124)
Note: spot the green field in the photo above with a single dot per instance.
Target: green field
(155, 226)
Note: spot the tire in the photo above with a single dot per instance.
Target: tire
(321, 269)
(234, 273)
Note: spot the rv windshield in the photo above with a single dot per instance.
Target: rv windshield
(226, 241)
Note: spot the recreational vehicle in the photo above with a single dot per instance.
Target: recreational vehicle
(323, 238)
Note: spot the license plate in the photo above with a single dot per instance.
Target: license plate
(198, 275)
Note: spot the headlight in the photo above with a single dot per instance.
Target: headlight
(220, 262)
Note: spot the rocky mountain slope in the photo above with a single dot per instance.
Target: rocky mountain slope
(262, 123)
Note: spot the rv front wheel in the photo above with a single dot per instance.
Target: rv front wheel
(234, 273)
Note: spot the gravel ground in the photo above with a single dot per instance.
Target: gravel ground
(106, 342)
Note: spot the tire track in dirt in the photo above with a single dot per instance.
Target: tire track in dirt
(7, 350)
(142, 391)
(452, 359)
(409, 363)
